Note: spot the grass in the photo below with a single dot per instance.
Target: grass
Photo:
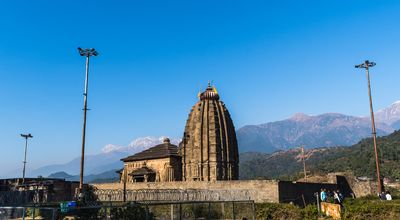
(354, 209)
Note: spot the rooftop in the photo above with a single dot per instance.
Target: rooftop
(163, 150)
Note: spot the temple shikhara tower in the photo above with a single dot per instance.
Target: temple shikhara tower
(208, 151)
(209, 147)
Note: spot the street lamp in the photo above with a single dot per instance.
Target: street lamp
(366, 65)
(26, 136)
(85, 53)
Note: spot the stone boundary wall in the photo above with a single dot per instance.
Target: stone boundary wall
(259, 191)
(256, 190)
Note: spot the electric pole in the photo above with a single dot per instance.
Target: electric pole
(26, 136)
(366, 65)
(86, 53)
(304, 162)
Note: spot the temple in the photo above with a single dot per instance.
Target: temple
(209, 147)
(160, 163)
(208, 151)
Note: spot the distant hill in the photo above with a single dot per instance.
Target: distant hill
(61, 175)
(358, 158)
(108, 159)
(311, 131)
(108, 176)
(389, 115)
(94, 164)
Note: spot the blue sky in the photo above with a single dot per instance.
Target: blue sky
(268, 60)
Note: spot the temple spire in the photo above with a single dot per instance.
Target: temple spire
(209, 146)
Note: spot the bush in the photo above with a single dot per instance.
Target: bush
(310, 212)
(284, 211)
(131, 212)
(371, 208)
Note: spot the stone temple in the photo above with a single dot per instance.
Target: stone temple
(209, 147)
(208, 151)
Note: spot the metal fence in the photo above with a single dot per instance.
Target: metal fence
(149, 211)
(172, 195)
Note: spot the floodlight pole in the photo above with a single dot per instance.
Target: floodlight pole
(366, 65)
(26, 136)
(87, 53)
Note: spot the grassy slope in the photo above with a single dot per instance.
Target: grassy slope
(358, 158)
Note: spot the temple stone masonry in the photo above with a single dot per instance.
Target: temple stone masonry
(208, 151)
(160, 163)
(209, 147)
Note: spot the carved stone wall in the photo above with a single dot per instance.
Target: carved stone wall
(167, 169)
(256, 190)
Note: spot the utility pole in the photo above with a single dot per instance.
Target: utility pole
(26, 136)
(86, 53)
(304, 162)
(366, 65)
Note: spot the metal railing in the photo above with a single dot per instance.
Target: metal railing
(143, 210)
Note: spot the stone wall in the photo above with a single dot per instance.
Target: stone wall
(256, 190)
(259, 191)
(161, 166)
(358, 187)
(301, 193)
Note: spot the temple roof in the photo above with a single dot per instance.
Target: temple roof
(163, 150)
(142, 171)
(210, 93)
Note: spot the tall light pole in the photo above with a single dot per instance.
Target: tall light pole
(86, 53)
(366, 65)
(26, 136)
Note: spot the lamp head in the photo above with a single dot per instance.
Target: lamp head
(87, 52)
(27, 135)
(367, 64)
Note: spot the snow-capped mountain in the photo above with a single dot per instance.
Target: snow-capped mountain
(389, 115)
(137, 145)
(108, 159)
(324, 130)
(329, 129)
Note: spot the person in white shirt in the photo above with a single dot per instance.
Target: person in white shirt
(388, 196)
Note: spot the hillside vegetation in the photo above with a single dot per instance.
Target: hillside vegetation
(358, 158)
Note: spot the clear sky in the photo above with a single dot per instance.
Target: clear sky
(268, 60)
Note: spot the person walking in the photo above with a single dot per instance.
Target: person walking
(388, 196)
(337, 197)
(323, 195)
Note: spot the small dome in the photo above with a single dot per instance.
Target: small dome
(210, 94)
(166, 141)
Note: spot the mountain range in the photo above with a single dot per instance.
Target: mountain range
(331, 129)
(109, 158)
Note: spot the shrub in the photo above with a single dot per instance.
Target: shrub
(131, 212)
(277, 211)
(371, 208)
